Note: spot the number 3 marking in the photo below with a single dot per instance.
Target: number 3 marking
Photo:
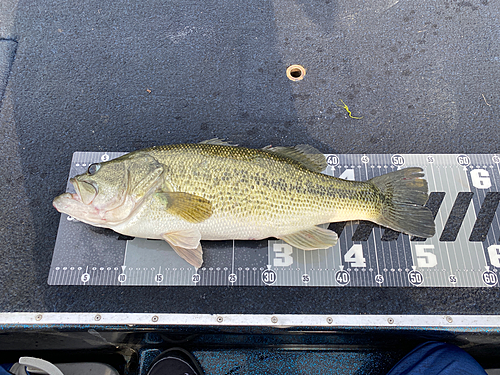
(283, 254)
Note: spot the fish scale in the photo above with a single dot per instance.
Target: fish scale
(276, 190)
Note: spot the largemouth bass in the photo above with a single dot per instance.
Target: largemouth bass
(215, 191)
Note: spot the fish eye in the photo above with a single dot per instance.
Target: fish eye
(93, 168)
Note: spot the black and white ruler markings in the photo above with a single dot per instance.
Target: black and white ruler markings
(465, 252)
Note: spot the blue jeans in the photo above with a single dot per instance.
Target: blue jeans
(4, 368)
(434, 358)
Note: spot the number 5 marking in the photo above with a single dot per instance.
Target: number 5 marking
(425, 259)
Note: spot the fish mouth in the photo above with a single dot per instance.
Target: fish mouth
(66, 202)
(72, 205)
(60, 202)
(85, 191)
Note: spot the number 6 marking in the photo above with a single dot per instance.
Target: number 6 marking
(494, 253)
(480, 178)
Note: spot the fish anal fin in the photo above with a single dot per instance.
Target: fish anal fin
(312, 238)
(190, 207)
(306, 155)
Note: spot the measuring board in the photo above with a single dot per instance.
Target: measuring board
(465, 252)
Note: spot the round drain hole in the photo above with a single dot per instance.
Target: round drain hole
(295, 72)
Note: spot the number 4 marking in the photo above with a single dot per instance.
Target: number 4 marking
(355, 256)
(348, 174)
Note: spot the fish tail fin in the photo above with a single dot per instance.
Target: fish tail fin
(405, 193)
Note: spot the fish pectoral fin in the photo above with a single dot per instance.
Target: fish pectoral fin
(186, 244)
(312, 238)
(190, 207)
(306, 155)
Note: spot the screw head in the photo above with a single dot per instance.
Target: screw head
(329, 320)
(274, 319)
(449, 319)
(155, 318)
(38, 317)
(220, 319)
(390, 320)
(97, 317)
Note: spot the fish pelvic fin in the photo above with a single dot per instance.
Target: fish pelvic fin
(193, 256)
(186, 244)
(404, 194)
(311, 238)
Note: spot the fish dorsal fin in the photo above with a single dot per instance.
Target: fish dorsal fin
(217, 142)
(306, 155)
(190, 207)
(312, 238)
